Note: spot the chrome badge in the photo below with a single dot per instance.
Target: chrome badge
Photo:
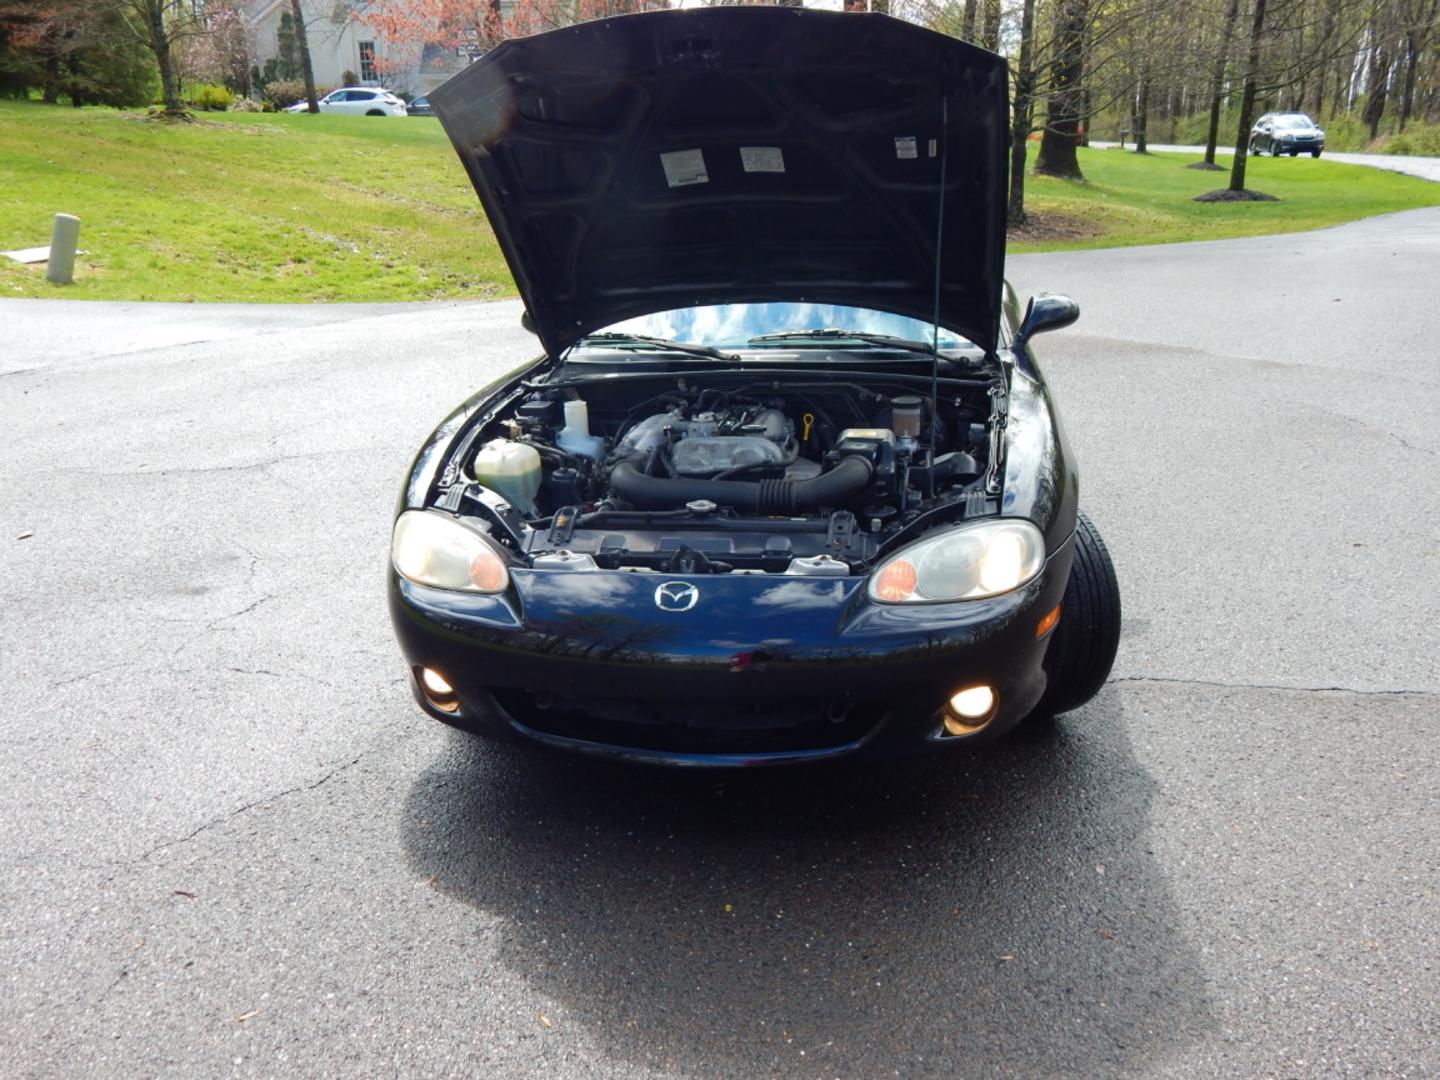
(676, 596)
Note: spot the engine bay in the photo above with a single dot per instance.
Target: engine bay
(792, 472)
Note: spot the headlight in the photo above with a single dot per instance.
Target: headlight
(967, 563)
(431, 549)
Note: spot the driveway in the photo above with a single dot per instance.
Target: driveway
(230, 845)
(1426, 168)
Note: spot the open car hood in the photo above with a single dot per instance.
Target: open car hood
(719, 155)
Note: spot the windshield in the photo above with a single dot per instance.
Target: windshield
(734, 326)
(1293, 122)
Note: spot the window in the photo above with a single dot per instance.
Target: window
(367, 61)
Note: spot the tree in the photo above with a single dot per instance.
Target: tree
(1217, 79)
(990, 35)
(77, 49)
(222, 54)
(161, 25)
(1020, 113)
(1247, 99)
(1062, 128)
(453, 24)
(302, 43)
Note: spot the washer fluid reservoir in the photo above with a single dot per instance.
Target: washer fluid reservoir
(511, 470)
(575, 437)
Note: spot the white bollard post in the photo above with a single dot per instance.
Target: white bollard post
(64, 238)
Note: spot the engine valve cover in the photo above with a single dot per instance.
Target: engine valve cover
(708, 455)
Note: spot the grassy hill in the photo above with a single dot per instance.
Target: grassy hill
(258, 207)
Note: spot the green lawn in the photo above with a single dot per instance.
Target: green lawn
(244, 206)
(1130, 198)
(305, 208)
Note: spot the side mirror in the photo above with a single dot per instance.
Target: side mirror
(526, 322)
(1047, 311)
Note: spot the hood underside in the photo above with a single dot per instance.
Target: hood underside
(739, 154)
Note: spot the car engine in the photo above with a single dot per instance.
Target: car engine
(751, 476)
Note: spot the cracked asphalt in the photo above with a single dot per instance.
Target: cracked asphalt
(229, 844)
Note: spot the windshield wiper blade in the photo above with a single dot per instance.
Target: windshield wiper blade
(621, 340)
(885, 341)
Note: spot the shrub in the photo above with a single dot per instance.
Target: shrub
(282, 93)
(1422, 139)
(347, 78)
(211, 97)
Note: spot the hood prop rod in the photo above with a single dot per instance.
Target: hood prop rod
(935, 321)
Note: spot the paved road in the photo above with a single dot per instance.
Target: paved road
(1426, 168)
(230, 845)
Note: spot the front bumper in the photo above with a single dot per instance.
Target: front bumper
(764, 669)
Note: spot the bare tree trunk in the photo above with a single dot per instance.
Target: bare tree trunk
(1247, 99)
(990, 39)
(1327, 32)
(52, 80)
(302, 42)
(77, 96)
(967, 26)
(1217, 79)
(1407, 89)
(1376, 89)
(1020, 115)
(1142, 107)
(158, 38)
(1062, 127)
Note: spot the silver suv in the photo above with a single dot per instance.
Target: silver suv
(1287, 133)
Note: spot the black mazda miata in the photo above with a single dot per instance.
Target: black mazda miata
(785, 483)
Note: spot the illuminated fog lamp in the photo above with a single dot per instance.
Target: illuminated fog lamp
(969, 710)
(438, 691)
(435, 682)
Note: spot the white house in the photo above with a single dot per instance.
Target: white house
(341, 42)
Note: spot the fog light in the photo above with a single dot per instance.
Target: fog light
(435, 682)
(969, 711)
(973, 704)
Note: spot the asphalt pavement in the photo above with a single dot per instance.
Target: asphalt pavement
(230, 845)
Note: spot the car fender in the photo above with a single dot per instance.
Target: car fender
(424, 470)
(1041, 481)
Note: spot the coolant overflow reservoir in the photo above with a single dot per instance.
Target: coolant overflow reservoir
(511, 470)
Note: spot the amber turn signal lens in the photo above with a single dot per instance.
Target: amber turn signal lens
(487, 572)
(897, 581)
(1045, 625)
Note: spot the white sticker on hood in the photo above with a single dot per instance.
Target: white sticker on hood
(684, 167)
(905, 147)
(762, 159)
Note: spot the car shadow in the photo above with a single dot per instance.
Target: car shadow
(989, 912)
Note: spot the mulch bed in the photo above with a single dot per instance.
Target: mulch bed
(1045, 227)
(1226, 195)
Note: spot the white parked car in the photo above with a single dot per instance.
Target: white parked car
(357, 101)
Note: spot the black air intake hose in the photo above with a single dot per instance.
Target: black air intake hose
(833, 488)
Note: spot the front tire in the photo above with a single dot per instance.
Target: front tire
(1314, 153)
(1083, 644)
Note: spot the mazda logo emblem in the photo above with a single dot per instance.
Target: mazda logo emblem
(676, 596)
